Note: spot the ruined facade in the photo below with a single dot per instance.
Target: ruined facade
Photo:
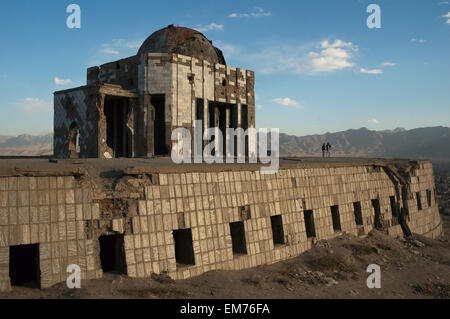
(130, 107)
(186, 220)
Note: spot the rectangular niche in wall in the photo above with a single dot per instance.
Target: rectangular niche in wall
(336, 218)
(277, 230)
(112, 253)
(184, 249)
(309, 223)
(429, 197)
(237, 231)
(358, 213)
(419, 201)
(24, 267)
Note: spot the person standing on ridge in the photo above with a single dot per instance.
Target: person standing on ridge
(328, 147)
(323, 150)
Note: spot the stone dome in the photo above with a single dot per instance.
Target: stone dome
(183, 41)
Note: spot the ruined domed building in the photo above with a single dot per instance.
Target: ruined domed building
(129, 107)
(143, 216)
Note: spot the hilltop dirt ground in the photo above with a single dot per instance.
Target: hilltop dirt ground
(333, 269)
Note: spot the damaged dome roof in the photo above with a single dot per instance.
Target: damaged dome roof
(184, 41)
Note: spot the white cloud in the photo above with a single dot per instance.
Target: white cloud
(443, 3)
(388, 64)
(447, 16)
(418, 40)
(373, 121)
(33, 105)
(121, 43)
(373, 71)
(228, 49)
(258, 13)
(258, 106)
(209, 27)
(306, 59)
(112, 51)
(286, 101)
(59, 81)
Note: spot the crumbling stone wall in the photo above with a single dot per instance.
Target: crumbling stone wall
(76, 106)
(84, 106)
(123, 72)
(184, 79)
(66, 215)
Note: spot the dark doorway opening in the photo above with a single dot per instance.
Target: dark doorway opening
(277, 230)
(159, 103)
(244, 124)
(336, 218)
(419, 201)
(24, 265)
(394, 210)
(309, 223)
(118, 135)
(223, 116)
(237, 231)
(184, 249)
(377, 213)
(358, 213)
(112, 254)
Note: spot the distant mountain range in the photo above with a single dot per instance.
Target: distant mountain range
(430, 143)
(26, 145)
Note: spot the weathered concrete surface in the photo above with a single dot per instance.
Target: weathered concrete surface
(66, 206)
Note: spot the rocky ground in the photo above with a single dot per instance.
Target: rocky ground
(333, 269)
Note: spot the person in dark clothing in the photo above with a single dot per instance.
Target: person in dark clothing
(323, 149)
(328, 148)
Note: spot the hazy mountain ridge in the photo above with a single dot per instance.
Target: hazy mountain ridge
(26, 145)
(428, 142)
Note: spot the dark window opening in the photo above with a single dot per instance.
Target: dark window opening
(419, 201)
(277, 230)
(429, 197)
(377, 213)
(394, 210)
(336, 218)
(309, 223)
(184, 249)
(224, 82)
(118, 135)
(24, 265)
(237, 231)
(159, 103)
(199, 116)
(358, 213)
(112, 253)
(118, 66)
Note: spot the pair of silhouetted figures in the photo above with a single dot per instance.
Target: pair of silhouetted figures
(326, 149)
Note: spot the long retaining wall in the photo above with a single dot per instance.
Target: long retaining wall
(189, 221)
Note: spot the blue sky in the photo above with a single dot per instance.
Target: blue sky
(319, 68)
